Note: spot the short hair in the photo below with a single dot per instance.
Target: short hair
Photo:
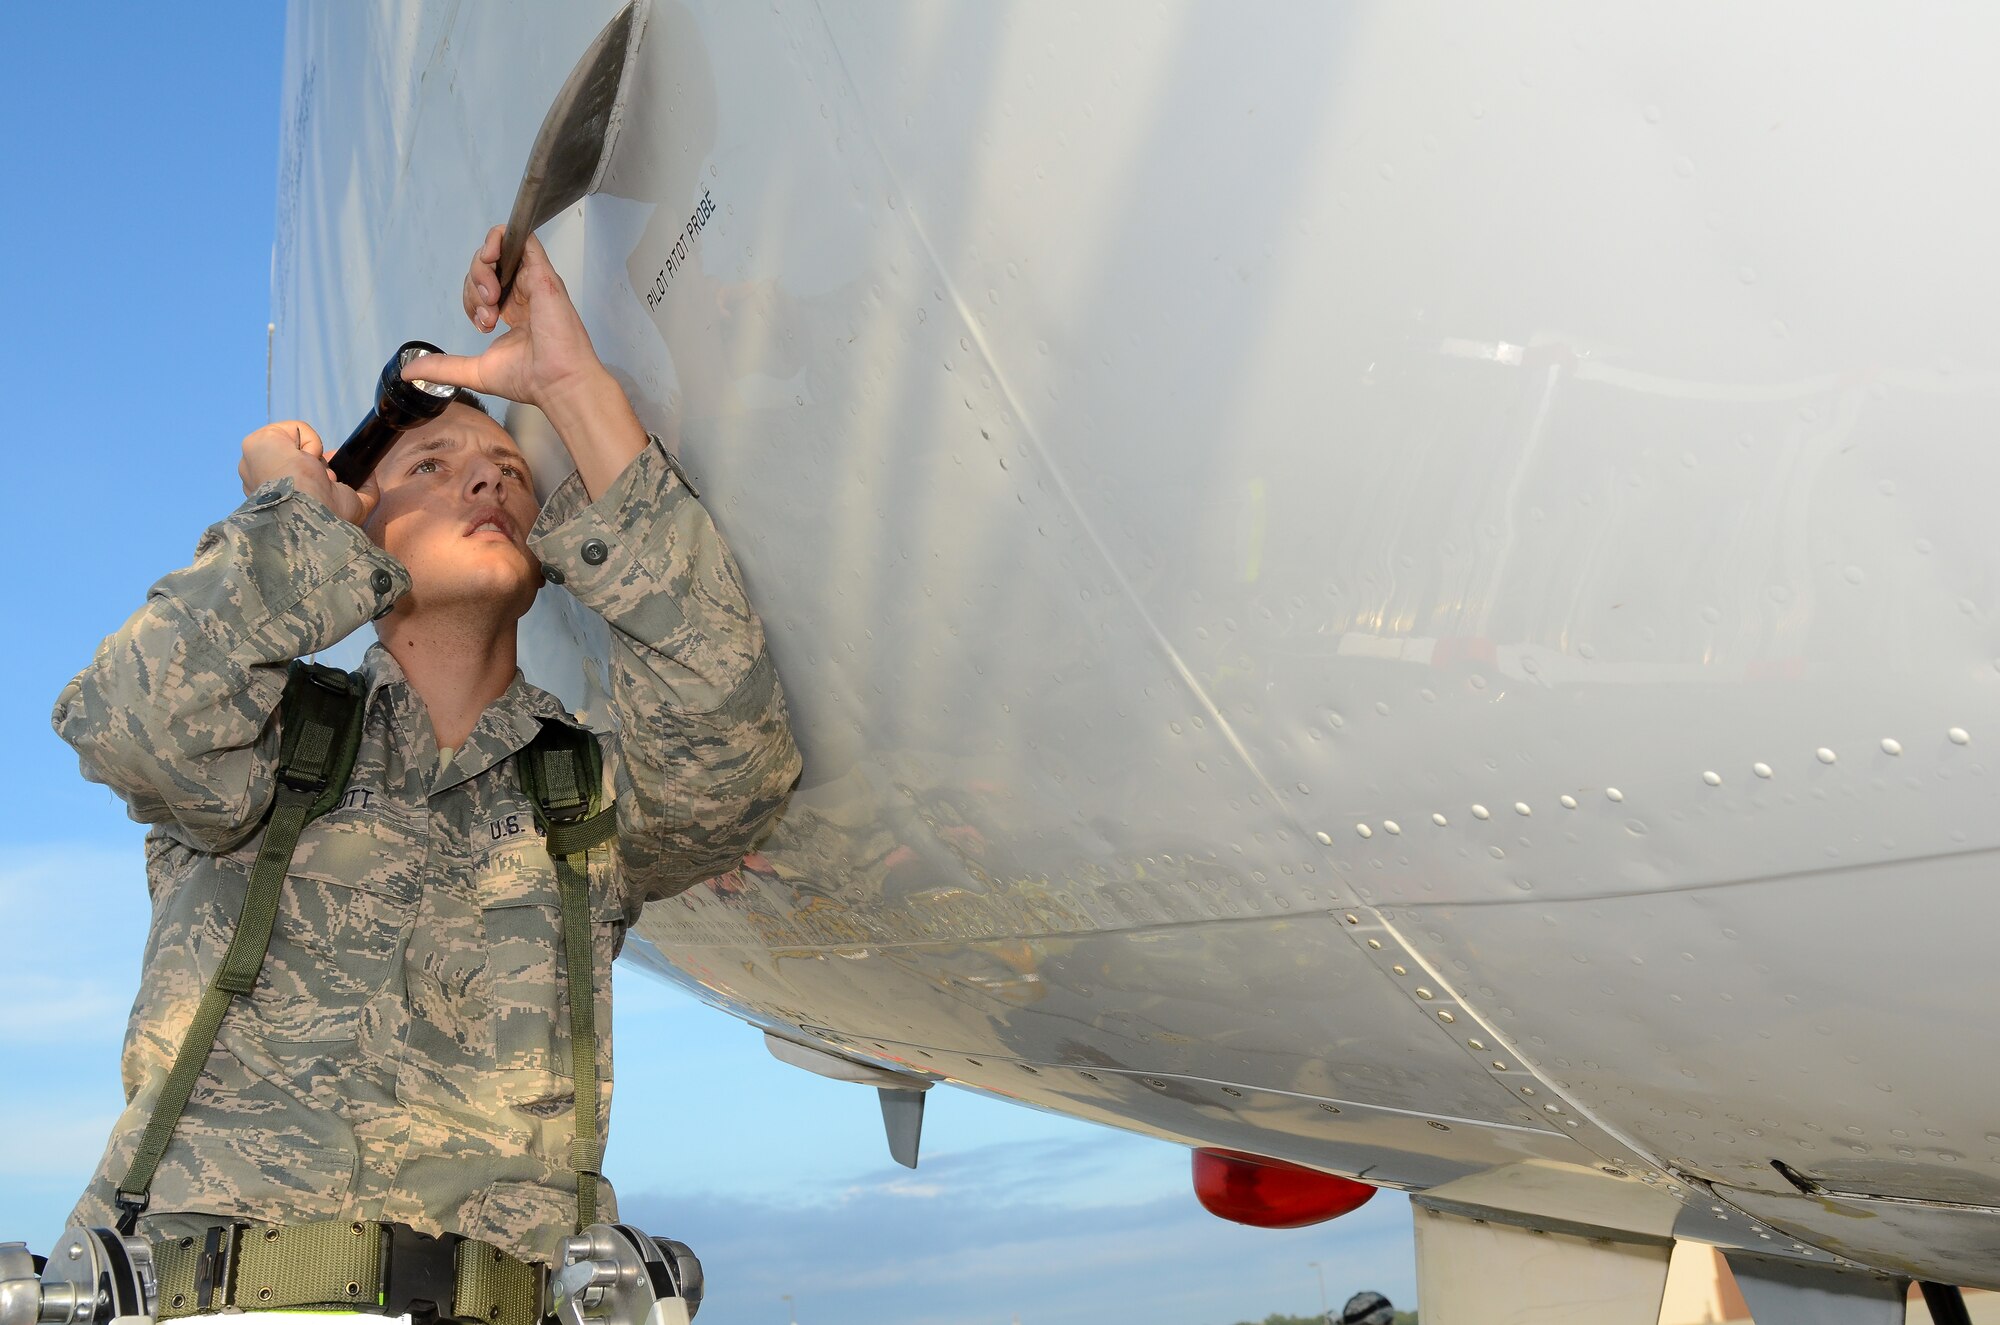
(460, 396)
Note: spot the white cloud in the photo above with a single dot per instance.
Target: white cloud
(74, 915)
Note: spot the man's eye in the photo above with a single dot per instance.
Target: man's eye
(512, 471)
(420, 467)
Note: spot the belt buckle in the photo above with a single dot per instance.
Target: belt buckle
(215, 1268)
(420, 1276)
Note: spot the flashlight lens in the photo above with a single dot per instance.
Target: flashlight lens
(408, 355)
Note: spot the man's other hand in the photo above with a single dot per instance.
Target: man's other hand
(292, 450)
(544, 359)
(545, 354)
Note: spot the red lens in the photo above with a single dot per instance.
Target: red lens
(1270, 1193)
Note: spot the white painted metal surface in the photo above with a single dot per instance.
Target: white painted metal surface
(1482, 1273)
(1401, 586)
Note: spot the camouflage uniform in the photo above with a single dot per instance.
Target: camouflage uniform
(405, 1055)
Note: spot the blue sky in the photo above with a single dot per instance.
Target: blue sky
(140, 163)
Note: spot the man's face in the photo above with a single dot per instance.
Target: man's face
(455, 508)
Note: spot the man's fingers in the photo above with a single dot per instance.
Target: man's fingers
(446, 370)
(300, 433)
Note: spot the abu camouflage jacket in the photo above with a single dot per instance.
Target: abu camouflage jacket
(405, 1055)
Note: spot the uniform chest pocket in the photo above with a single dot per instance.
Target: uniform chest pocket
(343, 918)
(521, 909)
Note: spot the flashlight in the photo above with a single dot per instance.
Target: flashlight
(400, 405)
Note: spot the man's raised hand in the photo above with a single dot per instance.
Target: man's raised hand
(292, 449)
(545, 353)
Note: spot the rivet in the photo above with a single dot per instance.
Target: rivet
(1364, 830)
(1552, 1108)
(1477, 1044)
(1571, 1122)
(1352, 919)
(1612, 793)
(187, 1242)
(75, 1250)
(180, 1299)
(1712, 778)
(1527, 1090)
(493, 1312)
(1445, 1016)
(1498, 853)
(1424, 993)
(263, 1295)
(270, 1235)
(1569, 802)
(1400, 970)
(1156, 1085)
(1375, 944)
(1824, 755)
(354, 1290)
(1440, 820)
(1329, 1108)
(1499, 1066)
(1890, 747)
(1440, 1126)
(1480, 812)
(1232, 1091)
(1393, 827)
(1521, 807)
(1761, 769)
(1959, 736)
(355, 1228)
(1088, 1076)
(1325, 839)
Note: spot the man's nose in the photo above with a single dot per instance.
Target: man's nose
(481, 475)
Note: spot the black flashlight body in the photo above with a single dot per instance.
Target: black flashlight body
(400, 405)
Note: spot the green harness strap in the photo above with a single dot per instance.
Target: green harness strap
(320, 724)
(561, 772)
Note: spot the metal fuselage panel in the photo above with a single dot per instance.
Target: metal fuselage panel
(1400, 587)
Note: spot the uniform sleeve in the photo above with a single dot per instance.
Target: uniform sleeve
(173, 713)
(706, 756)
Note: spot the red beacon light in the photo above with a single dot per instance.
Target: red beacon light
(1270, 1193)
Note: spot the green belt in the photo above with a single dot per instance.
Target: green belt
(337, 1264)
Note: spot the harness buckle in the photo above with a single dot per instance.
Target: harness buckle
(130, 1206)
(420, 1274)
